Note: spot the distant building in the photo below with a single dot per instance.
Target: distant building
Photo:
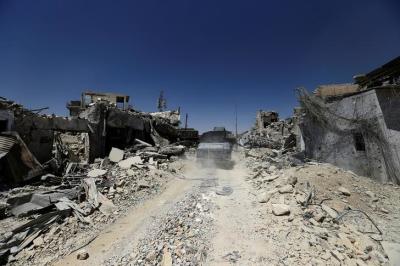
(88, 98)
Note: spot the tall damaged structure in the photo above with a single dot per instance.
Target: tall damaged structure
(356, 126)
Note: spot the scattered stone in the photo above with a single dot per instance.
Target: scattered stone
(280, 209)
(337, 255)
(127, 163)
(38, 241)
(286, 189)
(266, 196)
(96, 173)
(270, 178)
(82, 255)
(292, 180)
(319, 217)
(370, 194)
(331, 212)
(344, 191)
(116, 155)
(384, 210)
(167, 258)
(143, 184)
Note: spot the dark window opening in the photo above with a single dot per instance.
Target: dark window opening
(3, 125)
(359, 142)
(120, 102)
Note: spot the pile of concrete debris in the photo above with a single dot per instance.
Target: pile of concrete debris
(85, 195)
(273, 133)
(323, 215)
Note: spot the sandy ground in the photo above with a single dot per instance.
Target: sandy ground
(236, 222)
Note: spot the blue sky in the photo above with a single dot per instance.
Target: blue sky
(207, 56)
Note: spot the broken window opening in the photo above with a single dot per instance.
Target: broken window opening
(359, 142)
(3, 125)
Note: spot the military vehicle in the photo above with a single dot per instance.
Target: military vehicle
(215, 148)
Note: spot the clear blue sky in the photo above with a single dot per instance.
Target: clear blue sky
(205, 55)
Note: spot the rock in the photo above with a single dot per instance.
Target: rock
(143, 184)
(280, 209)
(127, 163)
(292, 180)
(167, 258)
(331, 212)
(130, 172)
(266, 196)
(151, 256)
(272, 168)
(384, 210)
(116, 155)
(270, 178)
(37, 242)
(286, 189)
(344, 191)
(82, 255)
(319, 217)
(370, 194)
(96, 172)
(337, 255)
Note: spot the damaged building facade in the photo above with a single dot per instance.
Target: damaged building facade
(30, 143)
(356, 126)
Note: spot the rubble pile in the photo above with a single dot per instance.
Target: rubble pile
(63, 213)
(276, 135)
(323, 215)
(178, 238)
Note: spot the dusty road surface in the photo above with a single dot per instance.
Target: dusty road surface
(253, 214)
(221, 203)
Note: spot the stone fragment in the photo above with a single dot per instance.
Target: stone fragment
(116, 155)
(331, 212)
(319, 217)
(37, 242)
(167, 258)
(280, 209)
(344, 191)
(270, 178)
(286, 189)
(127, 163)
(370, 194)
(292, 180)
(384, 210)
(266, 196)
(82, 255)
(337, 255)
(96, 173)
(143, 184)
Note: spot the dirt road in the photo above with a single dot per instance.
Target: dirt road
(231, 237)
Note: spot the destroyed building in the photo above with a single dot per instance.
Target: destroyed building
(269, 132)
(30, 142)
(265, 118)
(88, 98)
(356, 126)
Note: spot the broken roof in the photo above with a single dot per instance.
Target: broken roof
(380, 75)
